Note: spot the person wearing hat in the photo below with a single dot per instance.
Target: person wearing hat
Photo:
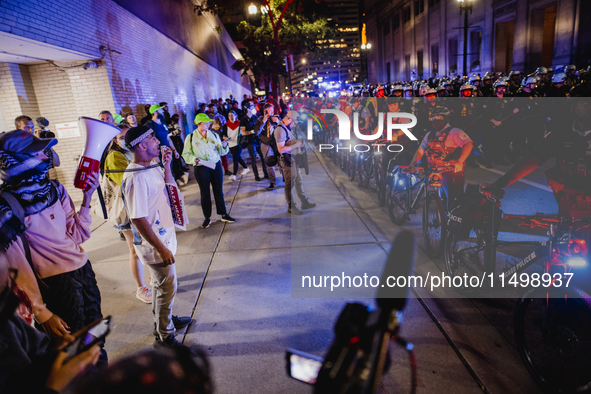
(203, 149)
(42, 238)
(159, 127)
(446, 145)
(25, 123)
(165, 112)
(146, 201)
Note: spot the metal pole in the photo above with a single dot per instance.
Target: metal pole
(465, 41)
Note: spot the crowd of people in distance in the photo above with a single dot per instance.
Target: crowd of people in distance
(49, 294)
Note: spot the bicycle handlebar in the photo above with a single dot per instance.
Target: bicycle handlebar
(428, 169)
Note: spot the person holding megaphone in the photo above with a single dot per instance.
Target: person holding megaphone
(42, 236)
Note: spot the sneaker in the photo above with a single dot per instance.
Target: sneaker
(257, 178)
(169, 342)
(293, 209)
(227, 172)
(233, 177)
(271, 186)
(206, 223)
(245, 171)
(307, 204)
(144, 294)
(228, 219)
(181, 321)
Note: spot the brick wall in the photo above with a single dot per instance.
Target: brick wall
(64, 95)
(16, 93)
(149, 69)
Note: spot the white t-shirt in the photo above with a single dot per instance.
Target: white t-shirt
(146, 197)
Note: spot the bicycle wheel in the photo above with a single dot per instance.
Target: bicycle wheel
(553, 336)
(340, 160)
(397, 208)
(380, 183)
(365, 171)
(465, 255)
(434, 224)
(351, 167)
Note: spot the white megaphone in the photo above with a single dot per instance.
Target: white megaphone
(98, 135)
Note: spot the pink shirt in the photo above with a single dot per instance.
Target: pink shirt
(54, 236)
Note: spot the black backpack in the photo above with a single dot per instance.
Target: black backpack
(273, 159)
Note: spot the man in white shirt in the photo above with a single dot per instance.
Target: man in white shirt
(146, 201)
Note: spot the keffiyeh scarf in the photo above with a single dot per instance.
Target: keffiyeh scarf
(25, 177)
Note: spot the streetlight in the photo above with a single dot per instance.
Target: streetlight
(252, 9)
(303, 61)
(465, 6)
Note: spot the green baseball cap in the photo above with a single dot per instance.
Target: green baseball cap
(202, 118)
(155, 108)
(118, 118)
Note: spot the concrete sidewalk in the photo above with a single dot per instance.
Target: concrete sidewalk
(235, 281)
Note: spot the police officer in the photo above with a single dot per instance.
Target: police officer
(445, 145)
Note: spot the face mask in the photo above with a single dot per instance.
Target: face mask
(122, 145)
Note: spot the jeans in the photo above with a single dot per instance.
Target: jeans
(164, 287)
(270, 170)
(236, 151)
(205, 176)
(253, 159)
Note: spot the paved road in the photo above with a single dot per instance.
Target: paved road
(235, 281)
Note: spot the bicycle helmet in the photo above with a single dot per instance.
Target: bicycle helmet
(397, 89)
(559, 78)
(440, 112)
(408, 91)
(467, 90)
(501, 82)
(474, 80)
(531, 79)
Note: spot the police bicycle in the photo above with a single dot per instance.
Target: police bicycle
(404, 189)
(552, 321)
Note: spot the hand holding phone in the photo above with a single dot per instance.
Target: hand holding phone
(63, 370)
(89, 336)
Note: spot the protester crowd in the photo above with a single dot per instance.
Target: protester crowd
(48, 292)
(47, 281)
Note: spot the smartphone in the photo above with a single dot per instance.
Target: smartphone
(88, 337)
(303, 366)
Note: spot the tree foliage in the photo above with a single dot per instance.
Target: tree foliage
(304, 30)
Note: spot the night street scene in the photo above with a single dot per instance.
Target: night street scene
(402, 195)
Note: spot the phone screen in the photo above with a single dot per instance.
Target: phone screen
(88, 337)
(303, 366)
